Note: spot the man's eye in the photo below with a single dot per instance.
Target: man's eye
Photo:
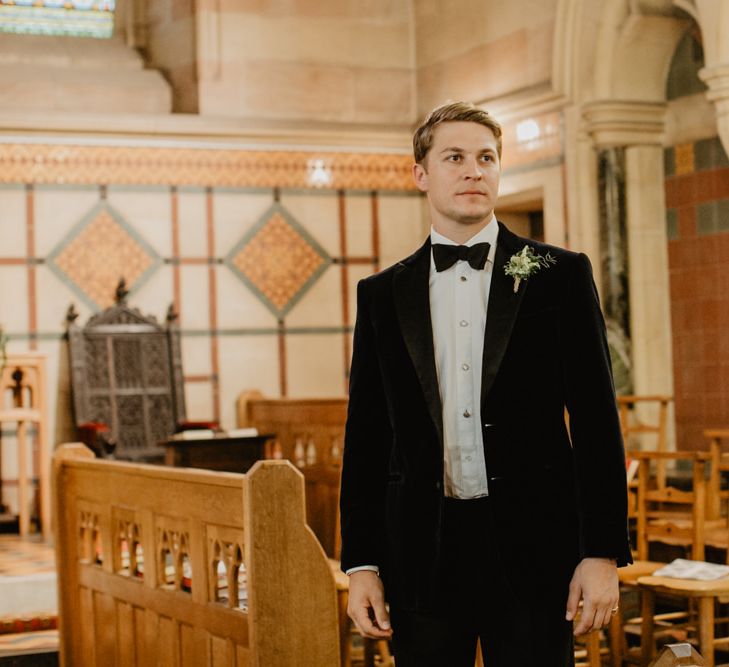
(487, 158)
(454, 158)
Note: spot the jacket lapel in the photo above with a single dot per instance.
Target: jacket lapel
(501, 312)
(412, 303)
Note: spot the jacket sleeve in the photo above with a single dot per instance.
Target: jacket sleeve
(594, 423)
(367, 444)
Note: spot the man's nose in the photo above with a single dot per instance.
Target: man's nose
(473, 169)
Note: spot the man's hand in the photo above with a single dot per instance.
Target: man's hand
(367, 605)
(595, 581)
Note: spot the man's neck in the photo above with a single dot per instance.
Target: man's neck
(459, 233)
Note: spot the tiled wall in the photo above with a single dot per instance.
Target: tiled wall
(261, 265)
(697, 200)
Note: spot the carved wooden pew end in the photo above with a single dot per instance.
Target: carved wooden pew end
(678, 655)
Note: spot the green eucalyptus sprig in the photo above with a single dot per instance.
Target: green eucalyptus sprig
(526, 263)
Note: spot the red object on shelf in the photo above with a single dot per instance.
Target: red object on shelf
(188, 425)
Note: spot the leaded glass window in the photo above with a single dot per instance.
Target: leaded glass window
(80, 18)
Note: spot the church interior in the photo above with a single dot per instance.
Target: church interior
(190, 192)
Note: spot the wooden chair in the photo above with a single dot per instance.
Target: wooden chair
(715, 437)
(670, 515)
(126, 375)
(705, 593)
(23, 402)
(665, 625)
(633, 426)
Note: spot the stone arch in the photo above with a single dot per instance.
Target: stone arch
(600, 48)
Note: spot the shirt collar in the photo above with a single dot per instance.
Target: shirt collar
(489, 234)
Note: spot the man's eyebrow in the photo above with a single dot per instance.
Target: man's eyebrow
(456, 149)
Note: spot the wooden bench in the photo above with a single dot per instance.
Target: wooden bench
(309, 433)
(168, 566)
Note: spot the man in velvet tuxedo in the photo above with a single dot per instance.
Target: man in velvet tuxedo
(468, 504)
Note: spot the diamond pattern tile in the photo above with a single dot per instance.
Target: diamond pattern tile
(100, 249)
(278, 260)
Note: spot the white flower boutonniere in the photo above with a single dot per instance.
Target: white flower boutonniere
(525, 263)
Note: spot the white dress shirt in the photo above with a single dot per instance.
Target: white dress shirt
(458, 302)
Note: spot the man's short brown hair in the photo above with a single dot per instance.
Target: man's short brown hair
(448, 113)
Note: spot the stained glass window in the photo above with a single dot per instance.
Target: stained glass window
(81, 18)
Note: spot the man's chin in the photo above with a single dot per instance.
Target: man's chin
(472, 219)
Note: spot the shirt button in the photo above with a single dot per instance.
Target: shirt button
(463, 323)
(463, 279)
(466, 414)
(468, 458)
(465, 367)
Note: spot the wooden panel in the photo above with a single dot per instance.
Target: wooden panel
(168, 643)
(216, 618)
(319, 420)
(242, 656)
(188, 646)
(140, 636)
(151, 632)
(126, 642)
(88, 639)
(322, 505)
(219, 652)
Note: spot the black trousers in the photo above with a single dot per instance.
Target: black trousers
(484, 596)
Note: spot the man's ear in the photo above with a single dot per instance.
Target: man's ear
(420, 176)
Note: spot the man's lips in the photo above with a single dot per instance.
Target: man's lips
(472, 192)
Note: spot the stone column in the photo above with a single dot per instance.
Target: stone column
(717, 79)
(713, 19)
(628, 137)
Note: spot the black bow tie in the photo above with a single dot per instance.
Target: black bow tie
(445, 256)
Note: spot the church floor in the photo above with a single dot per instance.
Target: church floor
(28, 602)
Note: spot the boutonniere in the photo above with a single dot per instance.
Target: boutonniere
(525, 263)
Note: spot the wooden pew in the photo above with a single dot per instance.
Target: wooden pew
(309, 433)
(169, 566)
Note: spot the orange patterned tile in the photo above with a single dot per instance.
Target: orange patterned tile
(278, 260)
(100, 250)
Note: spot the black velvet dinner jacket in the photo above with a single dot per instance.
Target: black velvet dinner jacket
(557, 495)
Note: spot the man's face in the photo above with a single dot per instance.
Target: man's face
(460, 174)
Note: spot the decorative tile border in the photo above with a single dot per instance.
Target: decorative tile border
(136, 165)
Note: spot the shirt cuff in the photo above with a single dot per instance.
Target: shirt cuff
(371, 568)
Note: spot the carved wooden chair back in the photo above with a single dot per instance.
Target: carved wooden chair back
(126, 372)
